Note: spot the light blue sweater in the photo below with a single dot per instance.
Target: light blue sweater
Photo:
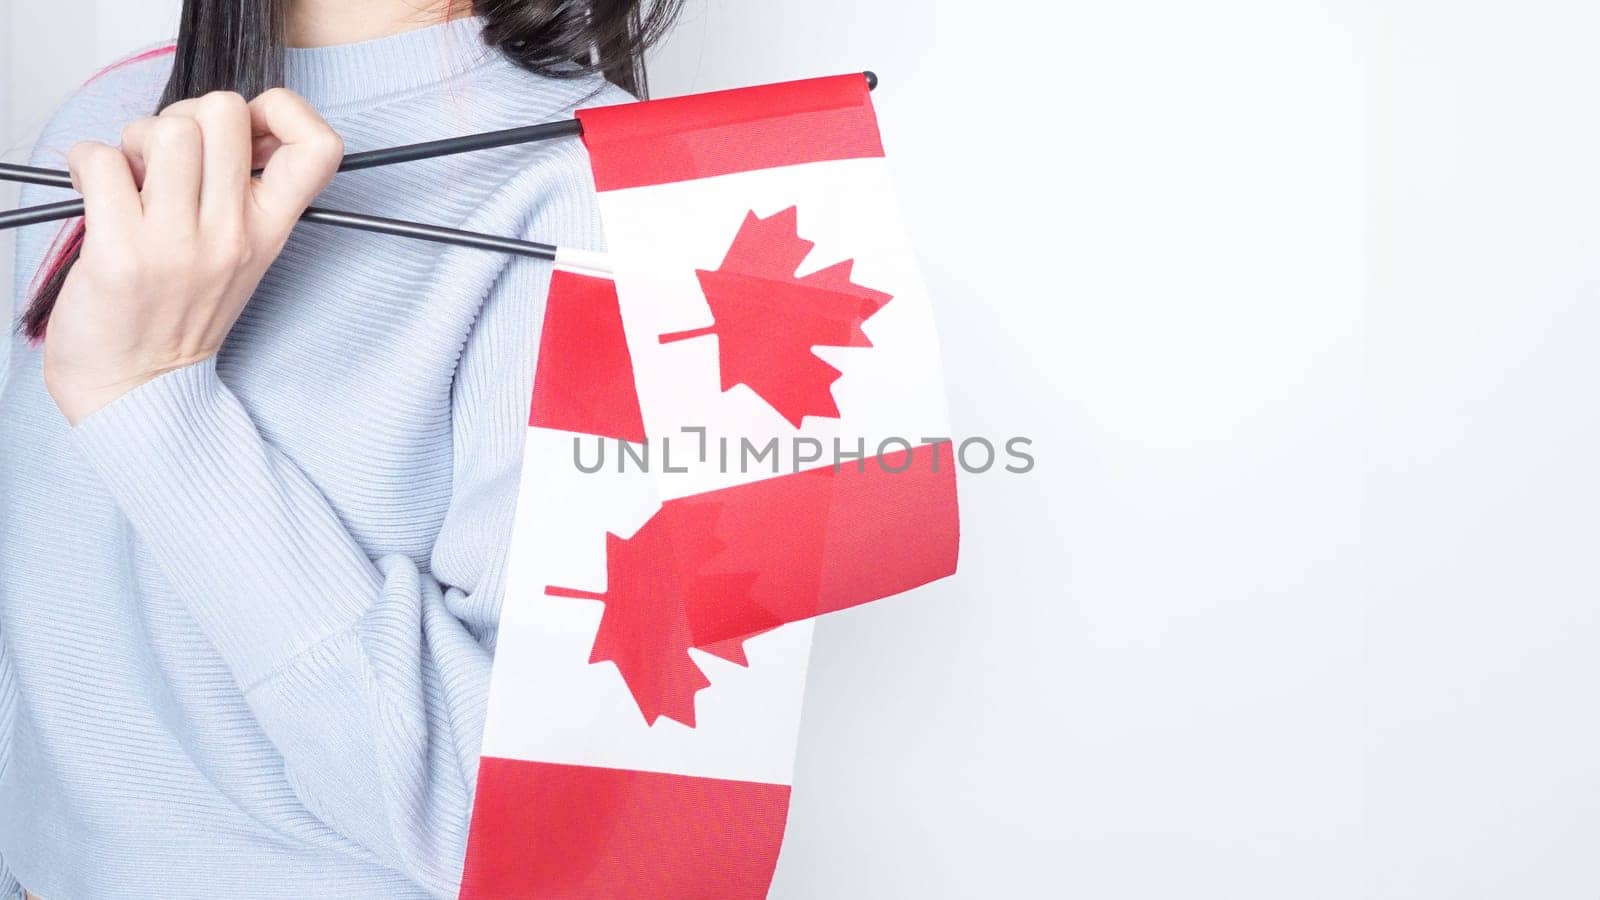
(247, 611)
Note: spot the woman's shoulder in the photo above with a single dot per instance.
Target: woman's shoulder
(551, 179)
(125, 90)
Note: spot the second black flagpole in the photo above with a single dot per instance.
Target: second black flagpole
(436, 233)
(366, 159)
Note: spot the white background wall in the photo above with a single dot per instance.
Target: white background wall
(1142, 225)
(1483, 650)
(1297, 301)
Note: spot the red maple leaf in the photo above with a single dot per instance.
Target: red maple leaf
(713, 570)
(645, 629)
(767, 320)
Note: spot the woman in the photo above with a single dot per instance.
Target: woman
(258, 480)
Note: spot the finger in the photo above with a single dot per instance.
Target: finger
(110, 198)
(226, 149)
(169, 149)
(185, 107)
(133, 147)
(298, 170)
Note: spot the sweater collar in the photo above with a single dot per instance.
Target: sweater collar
(345, 75)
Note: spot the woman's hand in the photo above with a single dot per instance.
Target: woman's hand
(177, 236)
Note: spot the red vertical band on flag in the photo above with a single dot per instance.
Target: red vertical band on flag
(584, 377)
(701, 135)
(560, 832)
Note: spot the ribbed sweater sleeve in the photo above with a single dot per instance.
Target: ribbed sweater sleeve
(356, 668)
(10, 889)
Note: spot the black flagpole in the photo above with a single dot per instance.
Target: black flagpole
(366, 159)
(436, 233)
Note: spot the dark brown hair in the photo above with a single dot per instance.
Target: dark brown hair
(237, 45)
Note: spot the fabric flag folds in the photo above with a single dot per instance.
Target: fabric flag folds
(738, 424)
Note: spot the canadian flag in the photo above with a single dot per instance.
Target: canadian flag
(738, 424)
